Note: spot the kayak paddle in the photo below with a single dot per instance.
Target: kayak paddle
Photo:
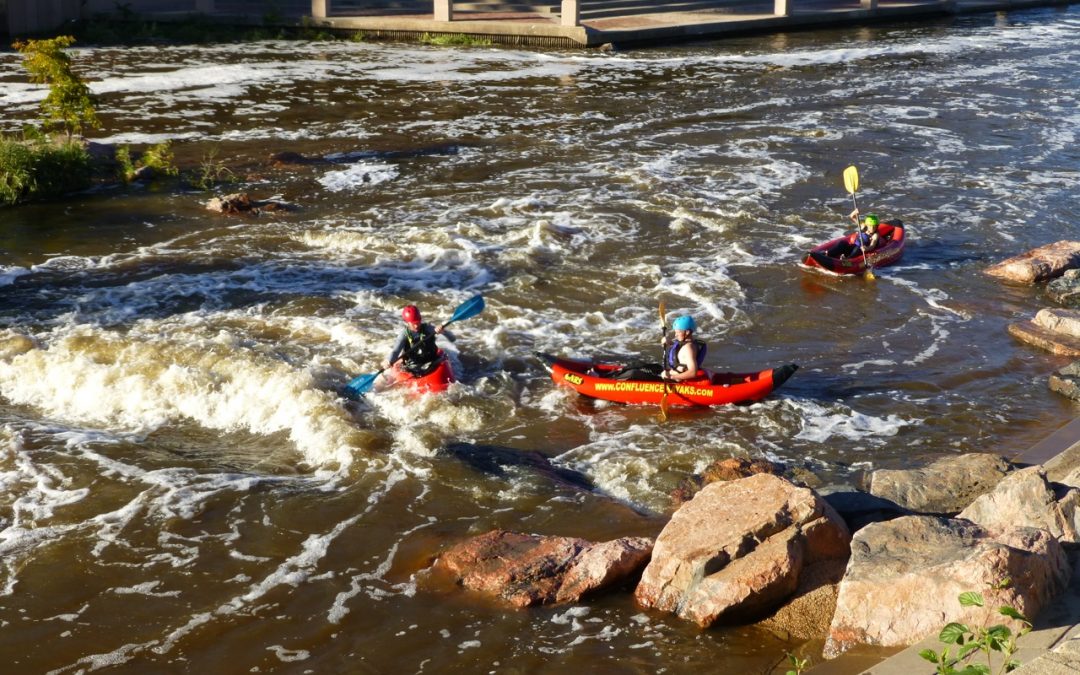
(851, 182)
(362, 384)
(663, 359)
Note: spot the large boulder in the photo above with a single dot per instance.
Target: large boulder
(738, 548)
(1025, 499)
(905, 575)
(945, 486)
(526, 569)
(729, 468)
(1065, 290)
(1040, 264)
(807, 615)
(1033, 334)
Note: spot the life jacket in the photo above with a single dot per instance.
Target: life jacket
(862, 238)
(671, 361)
(420, 346)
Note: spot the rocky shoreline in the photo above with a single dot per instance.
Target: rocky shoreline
(881, 564)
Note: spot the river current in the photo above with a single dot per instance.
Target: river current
(183, 488)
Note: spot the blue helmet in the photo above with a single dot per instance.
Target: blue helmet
(684, 323)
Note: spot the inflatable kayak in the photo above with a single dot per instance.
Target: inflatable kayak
(826, 256)
(436, 380)
(596, 380)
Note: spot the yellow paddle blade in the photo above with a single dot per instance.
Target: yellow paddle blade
(851, 179)
(664, 405)
(663, 314)
(870, 274)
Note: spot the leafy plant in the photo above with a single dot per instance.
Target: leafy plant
(212, 172)
(798, 665)
(125, 168)
(454, 40)
(159, 158)
(972, 641)
(69, 104)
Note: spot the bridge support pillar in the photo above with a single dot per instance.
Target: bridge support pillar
(782, 7)
(318, 8)
(571, 13)
(444, 10)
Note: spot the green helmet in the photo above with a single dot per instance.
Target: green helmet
(870, 219)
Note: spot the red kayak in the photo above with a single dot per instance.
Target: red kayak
(437, 380)
(595, 380)
(891, 236)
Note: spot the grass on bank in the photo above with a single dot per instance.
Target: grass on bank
(454, 40)
(33, 168)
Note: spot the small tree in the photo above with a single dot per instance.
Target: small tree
(69, 105)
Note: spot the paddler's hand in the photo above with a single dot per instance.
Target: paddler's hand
(438, 330)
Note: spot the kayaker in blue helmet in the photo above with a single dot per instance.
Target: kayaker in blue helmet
(683, 358)
(416, 345)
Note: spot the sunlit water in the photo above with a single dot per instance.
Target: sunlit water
(184, 488)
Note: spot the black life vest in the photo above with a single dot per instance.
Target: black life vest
(420, 346)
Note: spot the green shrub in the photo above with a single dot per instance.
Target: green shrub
(34, 170)
(211, 172)
(125, 168)
(69, 104)
(159, 158)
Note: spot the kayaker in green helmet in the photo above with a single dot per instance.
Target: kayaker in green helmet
(683, 358)
(416, 345)
(866, 237)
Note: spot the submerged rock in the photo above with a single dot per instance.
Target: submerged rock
(1066, 381)
(905, 575)
(496, 459)
(737, 549)
(731, 468)
(527, 569)
(1065, 290)
(1040, 264)
(943, 487)
(240, 202)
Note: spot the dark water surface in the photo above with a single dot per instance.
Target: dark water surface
(184, 489)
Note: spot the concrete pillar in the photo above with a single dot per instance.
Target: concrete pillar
(319, 8)
(782, 7)
(444, 10)
(571, 13)
(204, 6)
(868, 4)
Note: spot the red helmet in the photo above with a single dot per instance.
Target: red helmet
(410, 314)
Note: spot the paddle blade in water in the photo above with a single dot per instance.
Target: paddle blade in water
(851, 179)
(360, 385)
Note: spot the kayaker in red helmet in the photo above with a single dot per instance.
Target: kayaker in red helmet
(416, 346)
(683, 358)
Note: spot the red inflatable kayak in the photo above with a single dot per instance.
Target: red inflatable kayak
(594, 380)
(435, 381)
(891, 236)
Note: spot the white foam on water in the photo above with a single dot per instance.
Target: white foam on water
(286, 655)
(359, 175)
(101, 377)
(821, 423)
(8, 274)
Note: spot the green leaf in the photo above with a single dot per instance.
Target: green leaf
(1011, 666)
(953, 633)
(929, 655)
(971, 599)
(999, 632)
(967, 649)
(1011, 612)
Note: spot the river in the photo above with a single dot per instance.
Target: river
(183, 488)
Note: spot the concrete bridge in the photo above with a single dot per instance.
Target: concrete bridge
(550, 23)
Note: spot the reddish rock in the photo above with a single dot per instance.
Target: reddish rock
(1025, 499)
(945, 486)
(1039, 336)
(1040, 264)
(240, 202)
(738, 548)
(525, 569)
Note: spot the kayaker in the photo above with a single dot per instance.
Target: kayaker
(683, 358)
(416, 347)
(866, 238)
